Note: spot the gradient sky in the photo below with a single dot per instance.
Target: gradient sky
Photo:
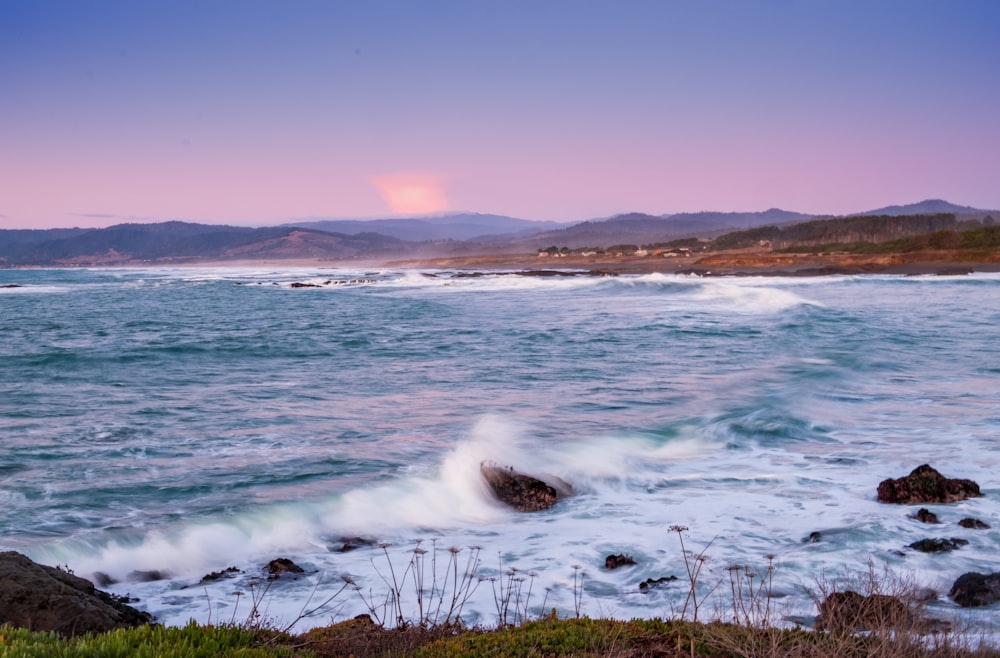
(250, 112)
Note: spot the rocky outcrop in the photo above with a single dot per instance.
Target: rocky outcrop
(44, 598)
(938, 545)
(974, 590)
(926, 485)
(619, 560)
(522, 492)
(281, 566)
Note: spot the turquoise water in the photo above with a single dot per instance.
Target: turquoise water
(187, 420)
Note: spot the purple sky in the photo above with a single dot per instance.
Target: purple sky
(251, 112)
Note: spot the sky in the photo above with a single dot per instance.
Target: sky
(252, 113)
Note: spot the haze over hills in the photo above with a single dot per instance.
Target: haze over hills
(379, 240)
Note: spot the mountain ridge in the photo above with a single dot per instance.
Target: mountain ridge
(174, 242)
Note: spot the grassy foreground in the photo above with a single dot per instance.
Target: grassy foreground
(549, 637)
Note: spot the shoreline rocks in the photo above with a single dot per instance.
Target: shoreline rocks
(975, 590)
(43, 598)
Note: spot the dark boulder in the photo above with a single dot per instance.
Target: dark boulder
(974, 524)
(938, 545)
(924, 515)
(44, 598)
(974, 590)
(522, 492)
(926, 485)
(849, 612)
(620, 560)
(149, 576)
(814, 537)
(281, 566)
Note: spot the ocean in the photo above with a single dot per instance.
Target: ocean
(159, 425)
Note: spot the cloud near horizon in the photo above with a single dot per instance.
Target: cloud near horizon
(406, 193)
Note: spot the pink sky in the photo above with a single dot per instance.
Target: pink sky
(253, 113)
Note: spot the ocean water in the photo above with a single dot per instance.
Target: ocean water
(188, 420)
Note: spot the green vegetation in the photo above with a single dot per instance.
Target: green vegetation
(982, 238)
(192, 641)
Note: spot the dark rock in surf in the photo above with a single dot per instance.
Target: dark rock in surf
(814, 537)
(620, 560)
(299, 284)
(281, 566)
(938, 545)
(924, 515)
(974, 524)
(43, 598)
(522, 492)
(926, 485)
(220, 575)
(975, 590)
(351, 543)
(650, 583)
(149, 576)
(12, 285)
(850, 611)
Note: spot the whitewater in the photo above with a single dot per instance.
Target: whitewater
(157, 425)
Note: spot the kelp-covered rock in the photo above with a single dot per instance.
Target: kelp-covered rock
(43, 598)
(975, 590)
(926, 485)
(522, 492)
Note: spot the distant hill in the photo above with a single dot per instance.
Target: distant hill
(639, 228)
(455, 226)
(182, 241)
(926, 207)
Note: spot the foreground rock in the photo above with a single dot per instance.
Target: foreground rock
(926, 485)
(522, 492)
(974, 590)
(43, 598)
(619, 560)
(850, 611)
(278, 567)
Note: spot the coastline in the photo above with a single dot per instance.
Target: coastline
(732, 263)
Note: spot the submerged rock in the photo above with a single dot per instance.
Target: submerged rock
(926, 485)
(974, 590)
(649, 583)
(43, 598)
(938, 545)
(924, 515)
(522, 492)
(974, 524)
